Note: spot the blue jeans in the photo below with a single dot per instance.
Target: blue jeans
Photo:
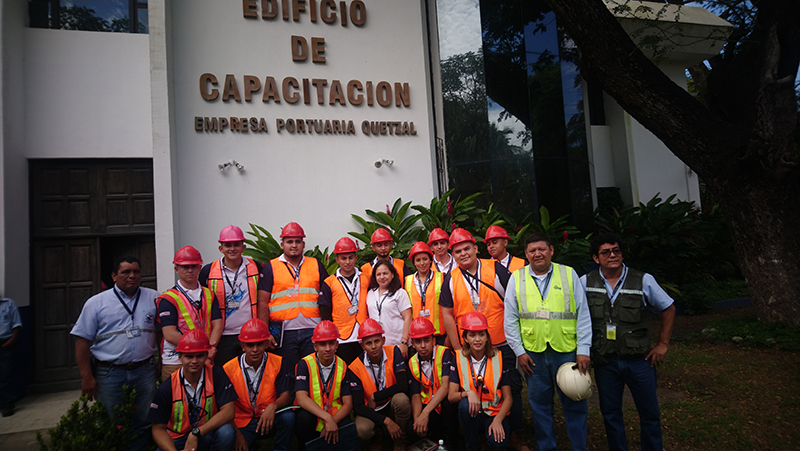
(540, 394)
(221, 439)
(640, 377)
(282, 429)
(515, 381)
(471, 425)
(296, 345)
(7, 389)
(109, 392)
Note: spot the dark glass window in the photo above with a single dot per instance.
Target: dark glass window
(118, 16)
(514, 123)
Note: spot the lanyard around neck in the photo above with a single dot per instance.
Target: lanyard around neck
(135, 302)
(423, 290)
(235, 274)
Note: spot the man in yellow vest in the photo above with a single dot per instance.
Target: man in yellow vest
(322, 389)
(547, 324)
(264, 387)
(381, 398)
(478, 284)
(496, 242)
(193, 408)
(424, 288)
(343, 298)
(288, 295)
(381, 242)
(186, 306)
(234, 281)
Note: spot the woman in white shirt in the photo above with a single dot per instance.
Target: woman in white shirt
(388, 304)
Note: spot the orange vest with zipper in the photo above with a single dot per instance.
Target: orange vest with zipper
(216, 284)
(493, 400)
(344, 321)
(358, 368)
(287, 300)
(267, 393)
(491, 305)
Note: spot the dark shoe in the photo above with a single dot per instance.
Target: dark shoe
(8, 411)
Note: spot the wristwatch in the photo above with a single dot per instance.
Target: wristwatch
(404, 341)
(196, 432)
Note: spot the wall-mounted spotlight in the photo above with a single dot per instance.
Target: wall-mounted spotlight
(384, 161)
(239, 167)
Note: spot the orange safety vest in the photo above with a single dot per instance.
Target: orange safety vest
(332, 400)
(358, 368)
(428, 387)
(491, 305)
(267, 394)
(515, 264)
(179, 424)
(491, 380)
(292, 297)
(344, 321)
(431, 300)
(398, 264)
(217, 285)
(189, 317)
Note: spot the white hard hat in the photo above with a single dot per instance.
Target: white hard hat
(575, 385)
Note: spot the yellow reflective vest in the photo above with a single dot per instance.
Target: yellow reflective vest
(552, 320)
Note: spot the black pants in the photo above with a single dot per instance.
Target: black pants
(227, 348)
(349, 351)
(305, 427)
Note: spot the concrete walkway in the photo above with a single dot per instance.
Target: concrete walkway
(34, 413)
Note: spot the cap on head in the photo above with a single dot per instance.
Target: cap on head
(460, 236)
(187, 255)
(418, 248)
(344, 246)
(231, 234)
(437, 235)
(254, 331)
(193, 341)
(496, 231)
(369, 327)
(421, 327)
(325, 331)
(380, 236)
(292, 230)
(474, 321)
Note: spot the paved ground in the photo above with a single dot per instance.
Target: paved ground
(34, 413)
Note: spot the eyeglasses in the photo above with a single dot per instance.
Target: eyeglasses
(608, 252)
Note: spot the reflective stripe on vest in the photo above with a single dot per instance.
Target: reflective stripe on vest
(289, 297)
(343, 320)
(179, 424)
(491, 305)
(267, 393)
(188, 318)
(428, 387)
(494, 370)
(558, 310)
(217, 285)
(315, 384)
(416, 300)
(370, 387)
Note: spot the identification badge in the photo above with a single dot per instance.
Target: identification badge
(542, 314)
(352, 310)
(425, 313)
(611, 331)
(233, 305)
(133, 332)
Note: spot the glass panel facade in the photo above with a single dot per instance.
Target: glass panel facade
(513, 108)
(118, 16)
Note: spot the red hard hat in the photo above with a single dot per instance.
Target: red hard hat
(474, 321)
(293, 230)
(496, 231)
(418, 248)
(459, 236)
(437, 235)
(325, 331)
(254, 331)
(231, 234)
(187, 255)
(380, 236)
(370, 327)
(421, 327)
(344, 246)
(193, 341)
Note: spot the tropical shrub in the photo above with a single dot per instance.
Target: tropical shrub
(400, 223)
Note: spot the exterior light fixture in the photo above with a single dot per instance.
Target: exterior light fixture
(222, 166)
(384, 161)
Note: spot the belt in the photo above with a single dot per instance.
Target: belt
(124, 366)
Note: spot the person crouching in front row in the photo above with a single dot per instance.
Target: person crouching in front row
(480, 386)
(382, 373)
(264, 387)
(322, 389)
(194, 407)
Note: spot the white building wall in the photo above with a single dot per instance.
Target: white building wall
(316, 180)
